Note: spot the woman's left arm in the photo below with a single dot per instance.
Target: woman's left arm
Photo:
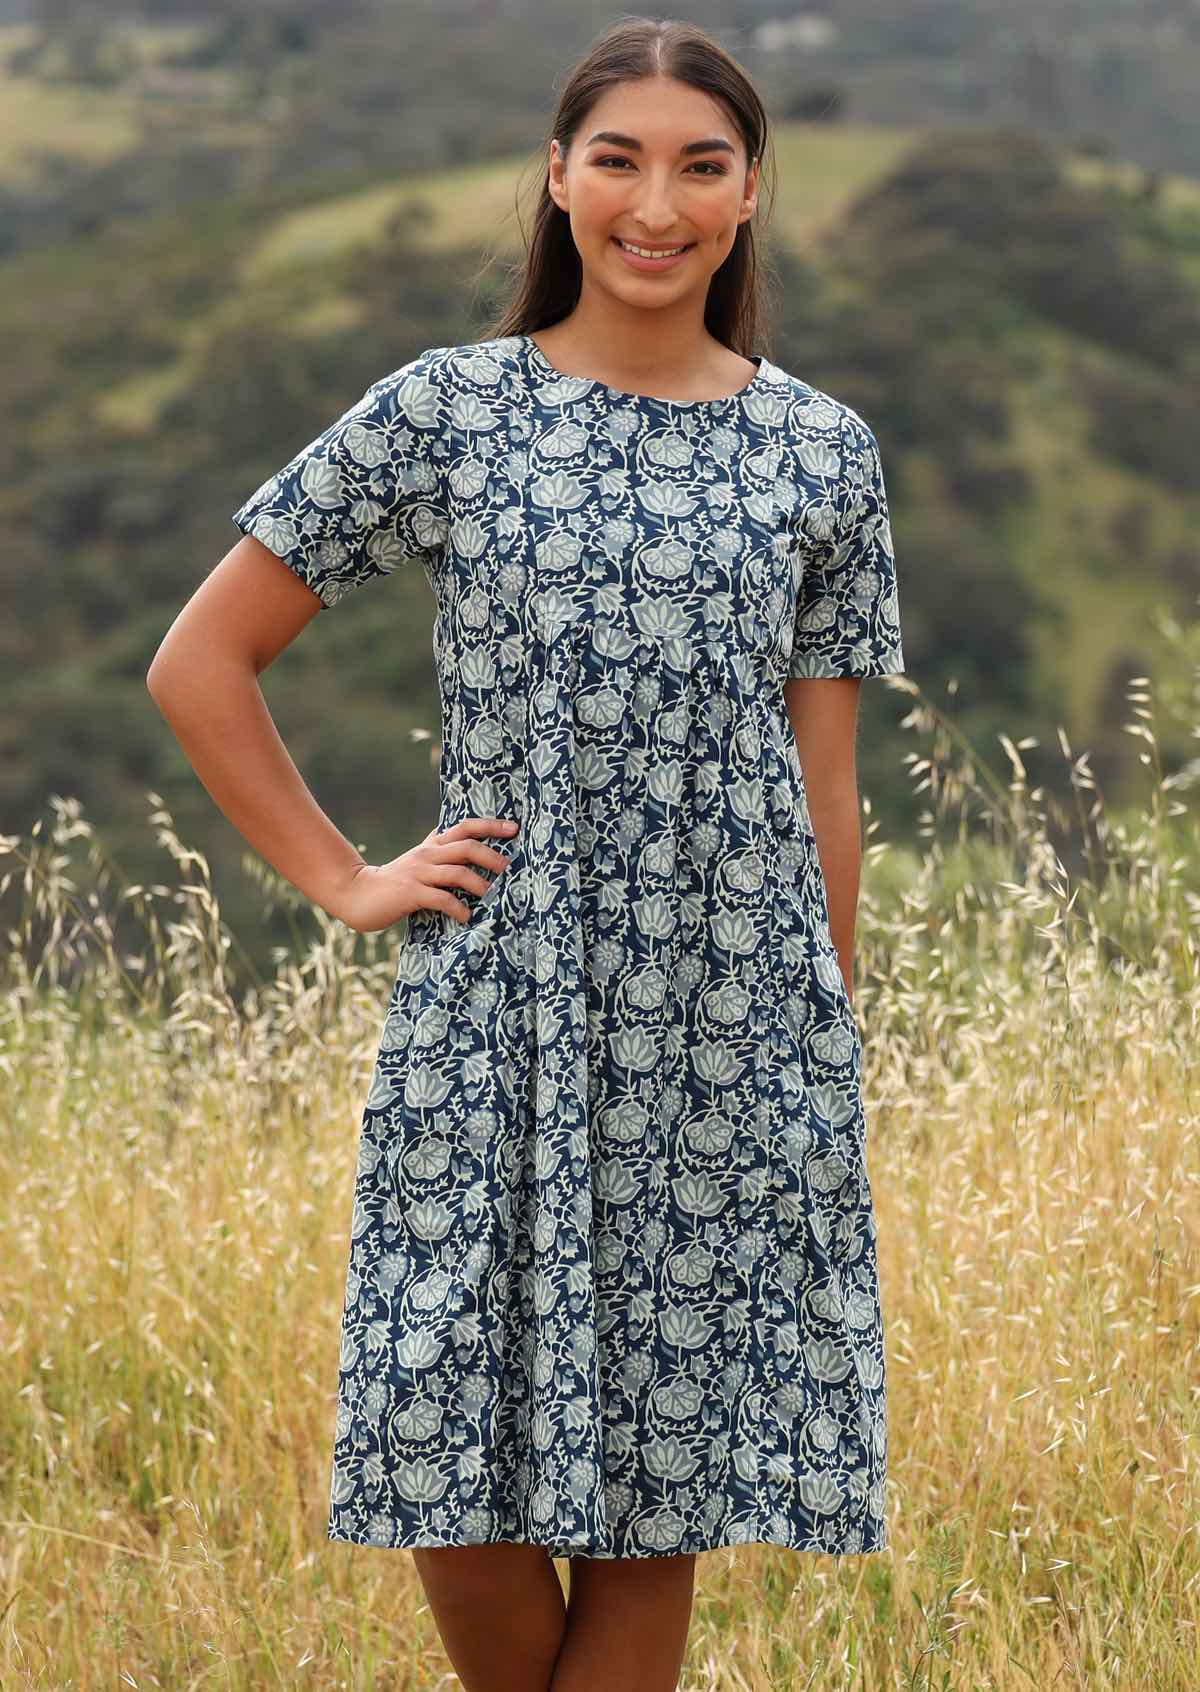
(824, 717)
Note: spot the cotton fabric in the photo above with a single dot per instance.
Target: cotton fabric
(612, 1283)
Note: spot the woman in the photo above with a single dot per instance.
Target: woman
(611, 1292)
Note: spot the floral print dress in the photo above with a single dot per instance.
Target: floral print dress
(611, 1283)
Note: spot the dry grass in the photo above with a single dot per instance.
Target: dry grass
(177, 1169)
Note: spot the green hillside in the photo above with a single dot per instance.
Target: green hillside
(1022, 329)
(292, 255)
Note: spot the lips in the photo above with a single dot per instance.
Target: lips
(676, 251)
(664, 266)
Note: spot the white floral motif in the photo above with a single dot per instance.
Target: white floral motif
(613, 1284)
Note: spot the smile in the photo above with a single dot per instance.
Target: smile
(650, 252)
(654, 258)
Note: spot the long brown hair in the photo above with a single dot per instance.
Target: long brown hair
(545, 285)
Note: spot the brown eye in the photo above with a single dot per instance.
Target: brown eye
(701, 164)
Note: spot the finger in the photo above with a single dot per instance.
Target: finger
(460, 875)
(504, 826)
(443, 901)
(462, 850)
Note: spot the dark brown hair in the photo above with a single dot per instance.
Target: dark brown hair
(545, 286)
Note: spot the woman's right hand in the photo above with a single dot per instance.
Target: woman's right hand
(379, 895)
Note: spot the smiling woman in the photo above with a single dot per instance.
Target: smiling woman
(673, 203)
(611, 1292)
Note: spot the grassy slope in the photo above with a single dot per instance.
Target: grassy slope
(286, 253)
(820, 171)
(174, 1199)
(88, 125)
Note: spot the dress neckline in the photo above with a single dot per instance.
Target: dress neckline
(552, 373)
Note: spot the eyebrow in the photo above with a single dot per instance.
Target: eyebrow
(615, 139)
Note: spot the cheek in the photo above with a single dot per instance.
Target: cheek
(719, 222)
(600, 202)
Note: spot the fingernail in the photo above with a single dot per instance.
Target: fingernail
(512, 825)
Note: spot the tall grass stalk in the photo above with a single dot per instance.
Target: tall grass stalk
(178, 1160)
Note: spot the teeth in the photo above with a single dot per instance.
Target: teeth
(648, 252)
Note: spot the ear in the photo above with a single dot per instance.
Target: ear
(556, 185)
(750, 193)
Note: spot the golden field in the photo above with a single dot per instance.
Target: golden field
(178, 1161)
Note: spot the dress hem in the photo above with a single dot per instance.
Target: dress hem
(797, 1542)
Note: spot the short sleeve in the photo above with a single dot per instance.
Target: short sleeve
(368, 494)
(847, 619)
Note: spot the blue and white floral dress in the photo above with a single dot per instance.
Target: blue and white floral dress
(612, 1283)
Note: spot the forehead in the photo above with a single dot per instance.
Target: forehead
(660, 112)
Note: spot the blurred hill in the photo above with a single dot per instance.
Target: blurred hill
(1018, 320)
(108, 108)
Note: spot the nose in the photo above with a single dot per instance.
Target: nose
(655, 211)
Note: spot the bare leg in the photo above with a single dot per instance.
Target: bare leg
(627, 1624)
(500, 1611)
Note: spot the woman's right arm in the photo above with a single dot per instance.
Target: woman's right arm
(204, 680)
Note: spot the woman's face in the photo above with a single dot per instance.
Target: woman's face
(649, 189)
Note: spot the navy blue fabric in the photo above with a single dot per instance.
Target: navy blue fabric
(612, 1283)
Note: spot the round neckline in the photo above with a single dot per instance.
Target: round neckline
(554, 374)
